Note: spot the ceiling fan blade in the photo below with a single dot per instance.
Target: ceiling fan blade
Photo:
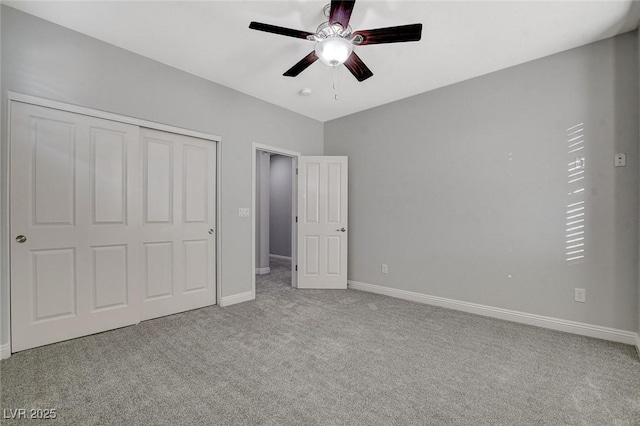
(341, 12)
(279, 30)
(359, 70)
(302, 65)
(399, 34)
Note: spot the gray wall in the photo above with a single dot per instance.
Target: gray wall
(263, 191)
(280, 205)
(463, 191)
(49, 61)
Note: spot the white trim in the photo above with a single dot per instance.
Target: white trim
(263, 271)
(275, 150)
(5, 234)
(615, 335)
(237, 298)
(5, 351)
(277, 256)
(294, 224)
(294, 201)
(638, 344)
(218, 230)
(19, 97)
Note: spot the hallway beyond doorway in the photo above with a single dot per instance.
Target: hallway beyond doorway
(278, 280)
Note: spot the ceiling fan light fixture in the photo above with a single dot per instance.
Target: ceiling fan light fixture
(334, 51)
(335, 40)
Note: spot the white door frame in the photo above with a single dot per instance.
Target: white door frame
(5, 243)
(294, 209)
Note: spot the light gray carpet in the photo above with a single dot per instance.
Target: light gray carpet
(305, 357)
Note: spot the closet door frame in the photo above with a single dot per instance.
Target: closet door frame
(5, 276)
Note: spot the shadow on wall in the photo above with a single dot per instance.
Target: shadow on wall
(612, 191)
(280, 205)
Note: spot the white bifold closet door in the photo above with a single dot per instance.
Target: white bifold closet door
(109, 224)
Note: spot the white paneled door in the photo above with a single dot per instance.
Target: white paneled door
(322, 222)
(85, 194)
(178, 218)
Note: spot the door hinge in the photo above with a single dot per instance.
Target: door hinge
(296, 170)
(296, 267)
(296, 219)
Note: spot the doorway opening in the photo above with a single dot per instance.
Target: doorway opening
(274, 231)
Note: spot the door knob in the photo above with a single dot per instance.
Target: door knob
(21, 239)
(211, 231)
(341, 230)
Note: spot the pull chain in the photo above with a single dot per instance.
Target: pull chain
(335, 82)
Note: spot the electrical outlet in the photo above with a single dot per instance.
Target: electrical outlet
(384, 268)
(620, 160)
(580, 295)
(243, 212)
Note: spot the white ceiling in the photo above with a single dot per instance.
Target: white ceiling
(460, 40)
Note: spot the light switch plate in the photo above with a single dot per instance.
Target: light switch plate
(243, 212)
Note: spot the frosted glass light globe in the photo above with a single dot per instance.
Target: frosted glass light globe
(334, 51)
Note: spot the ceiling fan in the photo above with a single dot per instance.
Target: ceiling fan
(335, 40)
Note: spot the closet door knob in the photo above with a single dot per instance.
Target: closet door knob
(21, 239)
(341, 230)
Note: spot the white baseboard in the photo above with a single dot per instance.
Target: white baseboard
(5, 351)
(262, 271)
(277, 256)
(237, 298)
(615, 335)
(638, 344)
